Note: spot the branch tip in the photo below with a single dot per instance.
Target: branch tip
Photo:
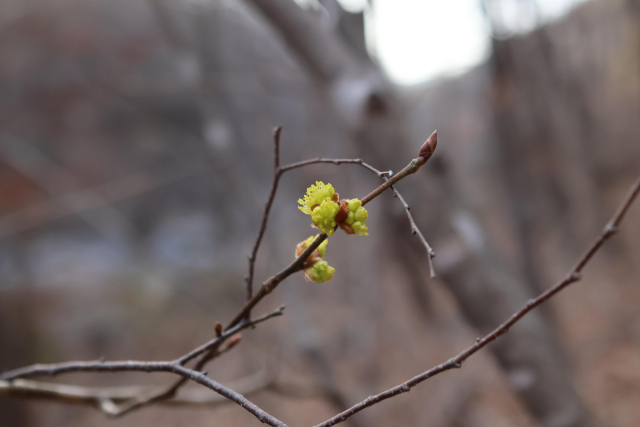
(429, 146)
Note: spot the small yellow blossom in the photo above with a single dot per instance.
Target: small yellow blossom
(316, 194)
(320, 272)
(323, 216)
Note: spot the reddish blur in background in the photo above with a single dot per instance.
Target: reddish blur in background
(136, 158)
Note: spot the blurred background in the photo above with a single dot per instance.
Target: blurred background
(136, 157)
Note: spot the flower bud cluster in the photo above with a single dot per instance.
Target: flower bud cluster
(316, 268)
(356, 217)
(328, 212)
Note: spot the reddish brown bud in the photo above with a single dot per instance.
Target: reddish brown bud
(218, 329)
(313, 257)
(429, 146)
(346, 228)
(234, 340)
(343, 212)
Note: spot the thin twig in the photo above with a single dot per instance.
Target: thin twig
(107, 399)
(138, 366)
(456, 362)
(166, 393)
(227, 334)
(147, 396)
(416, 231)
(271, 283)
(277, 173)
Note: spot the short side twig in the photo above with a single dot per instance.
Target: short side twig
(415, 230)
(456, 362)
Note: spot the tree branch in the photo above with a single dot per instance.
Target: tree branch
(277, 173)
(107, 399)
(456, 362)
(138, 366)
(148, 396)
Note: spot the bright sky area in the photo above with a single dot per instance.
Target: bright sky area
(419, 40)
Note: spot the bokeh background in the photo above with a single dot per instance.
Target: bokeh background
(136, 158)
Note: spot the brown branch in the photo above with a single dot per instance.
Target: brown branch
(416, 231)
(456, 362)
(107, 398)
(277, 173)
(138, 366)
(167, 393)
(149, 396)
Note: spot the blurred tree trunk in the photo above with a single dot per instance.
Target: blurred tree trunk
(486, 291)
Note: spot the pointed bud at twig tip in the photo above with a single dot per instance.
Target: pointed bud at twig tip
(429, 146)
(218, 329)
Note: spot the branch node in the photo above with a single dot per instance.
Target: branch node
(611, 229)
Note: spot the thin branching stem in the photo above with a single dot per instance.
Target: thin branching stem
(277, 173)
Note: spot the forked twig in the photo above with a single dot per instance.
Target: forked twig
(176, 366)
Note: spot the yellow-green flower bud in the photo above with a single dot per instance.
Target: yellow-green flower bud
(354, 204)
(323, 248)
(320, 272)
(357, 217)
(316, 194)
(323, 216)
(359, 228)
(361, 214)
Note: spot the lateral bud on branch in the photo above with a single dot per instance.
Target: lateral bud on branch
(428, 147)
